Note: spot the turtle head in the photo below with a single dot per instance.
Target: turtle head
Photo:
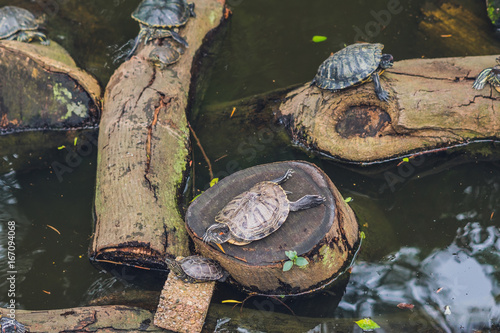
(173, 266)
(386, 61)
(218, 233)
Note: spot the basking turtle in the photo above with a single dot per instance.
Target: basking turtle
(165, 55)
(354, 64)
(256, 213)
(158, 18)
(195, 269)
(19, 24)
(9, 325)
(489, 75)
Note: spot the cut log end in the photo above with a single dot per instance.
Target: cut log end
(316, 234)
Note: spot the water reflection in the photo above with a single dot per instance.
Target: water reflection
(462, 276)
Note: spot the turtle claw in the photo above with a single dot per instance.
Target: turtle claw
(383, 96)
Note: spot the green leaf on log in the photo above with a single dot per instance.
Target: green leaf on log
(301, 262)
(287, 265)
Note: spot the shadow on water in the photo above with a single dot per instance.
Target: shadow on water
(430, 228)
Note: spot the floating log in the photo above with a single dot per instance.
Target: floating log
(143, 151)
(42, 88)
(326, 235)
(432, 105)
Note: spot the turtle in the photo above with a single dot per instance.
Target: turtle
(158, 18)
(353, 65)
(194, 269)
(19, 24)
(256, 213)
(165, 55)
(489, 75)
(9, 325)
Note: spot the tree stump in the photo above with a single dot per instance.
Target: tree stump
(432, 105)
(42, 88)
(326, 235)
(143, 152)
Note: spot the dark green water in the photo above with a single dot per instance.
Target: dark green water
(429, 226)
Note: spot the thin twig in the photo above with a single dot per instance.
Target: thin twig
(202, 151)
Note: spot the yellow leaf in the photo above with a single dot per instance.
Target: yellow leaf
(61, 147)
(231, 301)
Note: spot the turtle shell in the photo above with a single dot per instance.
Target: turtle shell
(165, 55)
(349, 66)
(256, 213)
(14, 19)
(162, 13)
(201, 268)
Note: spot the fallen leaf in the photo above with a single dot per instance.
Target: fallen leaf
(76, 140)
(405, 306)
(445, 36)
(318, 39)
(365, 225)
(367, 324)
(348, 199)
(47, 292)
(51, 227)
(61, 147)
(231, 301)
(234, 109)
(492, 214)
(439, 290)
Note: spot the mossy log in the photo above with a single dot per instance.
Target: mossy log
(326, 235)
(143, 151)
(432, 105)
(42, 88)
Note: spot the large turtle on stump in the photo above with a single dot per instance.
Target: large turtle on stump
(489, 75)
(158, 18)
(353, 65)
(19, 24)
(256, 213)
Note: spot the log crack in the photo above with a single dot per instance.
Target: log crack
(163, 104)
(426, 77)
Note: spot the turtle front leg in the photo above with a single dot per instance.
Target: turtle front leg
(381, 93)
(283, 178)
(306, 202)
(141, 35)
(178, 38)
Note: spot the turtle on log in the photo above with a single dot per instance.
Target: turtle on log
(489, 75)
(159, 18)
(256, 213)
(353, 65)
(194, 269)
(20, 24)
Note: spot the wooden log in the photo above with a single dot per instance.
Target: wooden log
(42, 88)
(326, 235)
(113, 318)
(183, 306)
(221, 318)
(143, 151)
(433, 105)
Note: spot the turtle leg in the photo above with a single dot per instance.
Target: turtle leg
(28, 36)
(178, 38)
(481, 79)
(141, 34)
(306, 202)
(283, 178)
(381, 93)
(191, 9)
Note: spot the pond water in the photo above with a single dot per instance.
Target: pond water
(432, 228)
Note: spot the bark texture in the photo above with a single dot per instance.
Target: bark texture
(432, 105)
(143, 150)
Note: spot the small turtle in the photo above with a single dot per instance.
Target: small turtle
(165, 55)
(256, 213)
(194, 269)
(158, 18)
(353, 65)
(489, 75)
(9, 325)
(19, 24)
